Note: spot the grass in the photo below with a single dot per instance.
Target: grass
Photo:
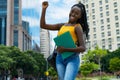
(95, 78)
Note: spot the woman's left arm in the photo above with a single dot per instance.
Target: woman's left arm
(81, 42)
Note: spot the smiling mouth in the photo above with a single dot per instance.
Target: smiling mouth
(72, 17)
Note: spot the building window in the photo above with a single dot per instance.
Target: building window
(94, 35)
(107, 13)
(101, 9)
(118, 38)
(93, 4)
(102, 34)
(103, 41)
(102, 28)
(108, 26)
(108, 20)
(118, 45)
(93, 10)
(100, 2)
(107, 7)
(109, 40)
(117, 25)
(94, 29)
(87, 11)
(106, 1)
(93, 16)
(101, 14)
(109, 33)
(16, 12)
(94, 43)
(115, 11)
(117, 32)
(103, 47)
(15, 43)
(86, 5)
(102, 21)
(94, 23)
(115, 4)
(87, 17)
(116, 18)
(3, 30)
(110, 46)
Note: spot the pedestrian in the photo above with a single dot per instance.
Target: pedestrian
(67, 69)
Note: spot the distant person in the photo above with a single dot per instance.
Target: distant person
(67, 69)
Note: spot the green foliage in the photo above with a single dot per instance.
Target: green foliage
(106, 59)
(11, 58)
(87, 68)
(52, 73)
(95, 55)
(114, 64)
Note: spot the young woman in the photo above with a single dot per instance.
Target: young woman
(77, 25)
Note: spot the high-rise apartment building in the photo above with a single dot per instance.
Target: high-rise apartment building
(13, 31)
(104, 23)
(45, 42)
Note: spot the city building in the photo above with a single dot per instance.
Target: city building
(45, 42)
(104, 23)
(13, 31)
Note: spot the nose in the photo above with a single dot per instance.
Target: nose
(73, 14)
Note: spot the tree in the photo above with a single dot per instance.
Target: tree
(87, 68)
(40, 61)
(114, 64)
(106, 59)
(95, 55)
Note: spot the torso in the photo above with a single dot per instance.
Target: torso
(70, 28)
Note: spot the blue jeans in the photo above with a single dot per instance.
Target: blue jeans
(68, 68)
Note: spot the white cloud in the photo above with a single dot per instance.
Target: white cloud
(32, 21)
(69, 2)
(30, 3)
(58, 13)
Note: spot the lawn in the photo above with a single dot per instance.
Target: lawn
(96, 78)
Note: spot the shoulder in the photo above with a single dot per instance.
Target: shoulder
(78, 26)
(60, 25)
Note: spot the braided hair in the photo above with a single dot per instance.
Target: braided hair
(83, 19)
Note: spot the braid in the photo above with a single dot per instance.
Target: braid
(83, 19)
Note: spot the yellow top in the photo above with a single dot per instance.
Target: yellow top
(71, 29)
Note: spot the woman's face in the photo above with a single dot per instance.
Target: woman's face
(75, 14)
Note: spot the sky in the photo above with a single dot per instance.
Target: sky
(57, 12)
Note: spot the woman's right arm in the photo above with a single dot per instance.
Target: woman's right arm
(43, 21)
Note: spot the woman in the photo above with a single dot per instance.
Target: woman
(77, 25)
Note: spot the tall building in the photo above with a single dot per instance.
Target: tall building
(12, 30)
(104, 23)
(45, 42)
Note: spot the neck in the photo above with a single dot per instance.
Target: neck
(71, 23)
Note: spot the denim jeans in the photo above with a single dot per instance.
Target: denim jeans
(68, 68)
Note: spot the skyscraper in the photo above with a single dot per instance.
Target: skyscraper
(45, 42)
(13, 31)
(104, 23)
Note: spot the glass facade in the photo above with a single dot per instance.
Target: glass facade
(25, 26)
(16, 12)
(15, 43)
(3, 17)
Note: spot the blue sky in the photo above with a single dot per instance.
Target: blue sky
(57, 12)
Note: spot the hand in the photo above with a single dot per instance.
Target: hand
(45, 4)
(60, 49)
